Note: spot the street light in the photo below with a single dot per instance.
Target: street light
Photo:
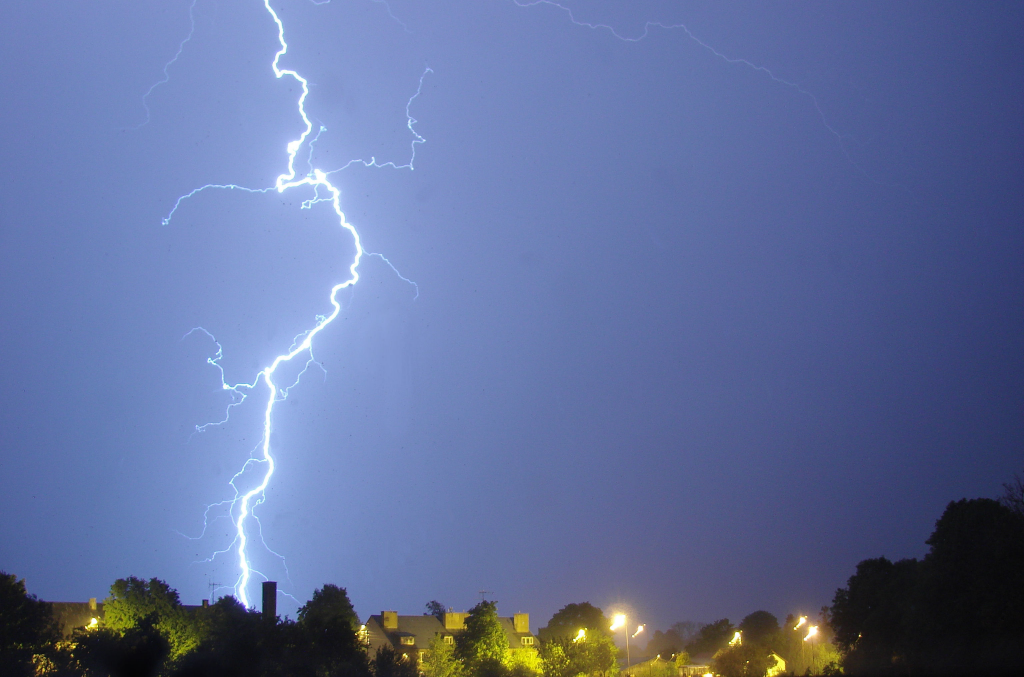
(580, 636)
(811, 632)
(619, 621)
(800, 623)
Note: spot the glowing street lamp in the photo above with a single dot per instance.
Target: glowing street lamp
(812, 631)
(619, 621)
(800, 623)
(580, 636)
(737, 639)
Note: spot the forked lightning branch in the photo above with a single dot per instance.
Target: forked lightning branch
(243, 502)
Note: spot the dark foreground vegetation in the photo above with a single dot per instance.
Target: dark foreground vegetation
(957, 611)
(960, 610)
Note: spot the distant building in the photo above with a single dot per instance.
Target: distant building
(410, 636)
(660, 667)
(779, 668)
(74, 615)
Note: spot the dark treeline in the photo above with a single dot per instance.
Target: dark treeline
(957, 611)
(759, 644)
(146, 632)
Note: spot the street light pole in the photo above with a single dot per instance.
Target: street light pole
(812, 631)
(627, 651)
(619, 621)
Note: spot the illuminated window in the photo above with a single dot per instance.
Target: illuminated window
(408, 640)
(449, 639)
(527, 641)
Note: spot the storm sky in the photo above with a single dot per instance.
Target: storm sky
(714, 300)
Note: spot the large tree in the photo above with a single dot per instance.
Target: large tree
(27, 627)
(743, 660)
(711, 637)
(135, 602)
(665, 644)
(570, 619)
(687, 630)
(239, 642)
(435, 609)
(961, 609)
(868, 614)
(440, 660)
(593, 654)
(969, 606)
(761, 628)
(330, 625)
(565, 654)
(483, 645)
(140, 650)
(390, 663)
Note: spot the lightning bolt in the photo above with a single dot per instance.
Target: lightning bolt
(841, 140)
(242, 505)
(167, 76)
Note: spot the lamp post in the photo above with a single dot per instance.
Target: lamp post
(801, 622)
(619, 621)
(811, 632)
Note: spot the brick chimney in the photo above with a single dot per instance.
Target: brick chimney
(455, 620)
(270, 601)
(389, 619)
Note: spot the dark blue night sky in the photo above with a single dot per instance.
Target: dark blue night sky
(704, 318)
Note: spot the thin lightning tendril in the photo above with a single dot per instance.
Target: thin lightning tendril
(840, 139)
(323, 191)
(167, 76)
(379, 2)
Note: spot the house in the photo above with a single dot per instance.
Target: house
(779, 668)
(73, 615)
(410, 636)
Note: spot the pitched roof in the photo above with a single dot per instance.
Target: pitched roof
(71, 615)
(421, 628)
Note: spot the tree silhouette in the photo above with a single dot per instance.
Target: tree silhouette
(27, 627)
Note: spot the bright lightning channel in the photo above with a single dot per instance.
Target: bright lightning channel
(324, 191)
